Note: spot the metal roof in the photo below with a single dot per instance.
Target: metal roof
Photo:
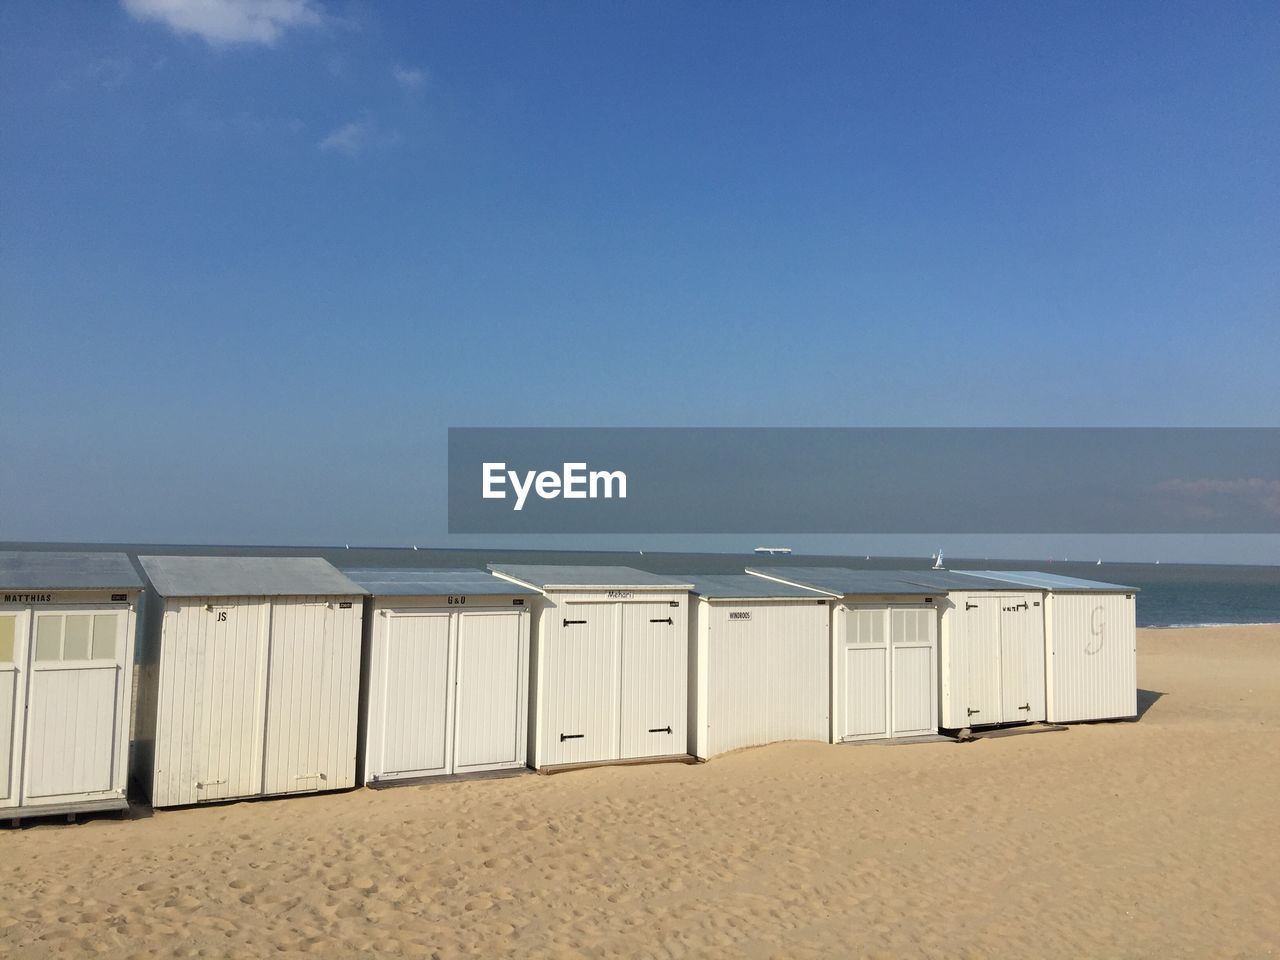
(44, 570)
(743, 587)
(844, 582)
(555, 577)
(841, 581)
(246, 577)
(407, 582)
(1053, 581)
(955, 580)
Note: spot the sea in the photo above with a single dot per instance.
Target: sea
(1168, 594)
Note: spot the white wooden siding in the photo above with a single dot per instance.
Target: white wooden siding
(1091, 646)
(768, 668)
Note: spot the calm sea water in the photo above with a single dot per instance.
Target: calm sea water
(1170, 594)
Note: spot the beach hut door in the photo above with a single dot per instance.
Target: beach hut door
(12, 696)
(73, 704)
(981, 651)
(650, 678)
(866, 673)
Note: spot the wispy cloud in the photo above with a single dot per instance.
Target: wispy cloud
(410, 78)
(1209, 498)
(224, 22)
(356, 137)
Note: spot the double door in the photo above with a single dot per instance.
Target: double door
(888, 671)
(614, 682)
(1003, 660)
(63, 705)
(257, 696)
(450, 693)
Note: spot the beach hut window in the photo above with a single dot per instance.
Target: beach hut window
(48, 638)
(8, 628)
(75, 637)
(104, 637)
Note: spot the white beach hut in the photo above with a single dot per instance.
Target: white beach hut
(447, 678)
(761, 663)
(249, 678)
(67, 628)
(609, 662)
(1090, 642)
(883, 646)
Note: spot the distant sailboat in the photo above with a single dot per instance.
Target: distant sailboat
(1099, 563)
(937, 561)
(771, 551)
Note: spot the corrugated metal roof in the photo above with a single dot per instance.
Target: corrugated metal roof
(41, 570)
(246, 577)
(841, 581)
(744, 587)
(407, 582)
(552, 576)
(1053, 581)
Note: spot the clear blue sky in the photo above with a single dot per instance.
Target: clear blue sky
(251, 268)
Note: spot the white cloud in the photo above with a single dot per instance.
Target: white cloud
(350, 138)
(357, 136)
(221, 22)
(411, 78)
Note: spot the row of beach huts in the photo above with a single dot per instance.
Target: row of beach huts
(263, 676)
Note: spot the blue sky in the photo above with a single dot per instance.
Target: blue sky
(253, 264)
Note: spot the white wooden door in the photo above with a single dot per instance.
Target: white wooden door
(651, 705)
(216, 654)
(310, 681)
(1021, 660)
(14, 628)
(864, 711)
(578, 684)
(979, 647)
(913, 633)
(489, 724)
(75, 689)
(416, 694)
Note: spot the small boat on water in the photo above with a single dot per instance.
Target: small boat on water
(773, 551)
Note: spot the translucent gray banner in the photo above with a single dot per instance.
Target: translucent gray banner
(864, 480)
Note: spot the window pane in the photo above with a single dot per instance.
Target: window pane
(75, 645)
(104, 636)
(48, 637)
(8, 627)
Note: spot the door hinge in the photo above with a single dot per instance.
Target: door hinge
(1025, 706)
(659, 729)
(970, 711)
(571, 736)
(667, 620)
(970, 606)
(201, 784)
(570, 623)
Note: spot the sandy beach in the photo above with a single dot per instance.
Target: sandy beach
(1155, 838)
